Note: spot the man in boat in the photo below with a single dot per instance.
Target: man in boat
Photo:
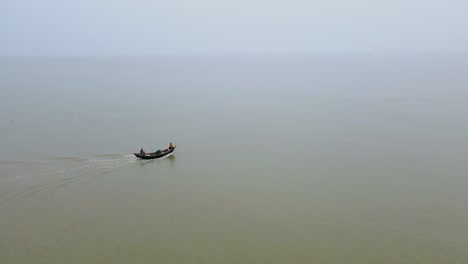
(142, 152)
(171, 146)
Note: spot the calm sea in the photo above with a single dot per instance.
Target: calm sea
(281, 159)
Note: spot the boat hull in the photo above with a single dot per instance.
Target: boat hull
(153, 155)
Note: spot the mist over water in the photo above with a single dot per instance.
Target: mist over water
(330, 158)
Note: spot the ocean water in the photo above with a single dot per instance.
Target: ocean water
(280, 159)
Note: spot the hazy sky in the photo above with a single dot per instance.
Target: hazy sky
(90, 27)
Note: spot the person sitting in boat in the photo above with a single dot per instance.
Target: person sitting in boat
(142, 152)
(171, 146)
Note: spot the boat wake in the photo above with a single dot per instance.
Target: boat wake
(63, 165)
(24, 178)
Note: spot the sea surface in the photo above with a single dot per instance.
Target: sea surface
(328, 158)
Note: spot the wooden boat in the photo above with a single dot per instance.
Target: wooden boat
(154, 155)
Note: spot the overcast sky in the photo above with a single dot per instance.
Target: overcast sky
(114, 27)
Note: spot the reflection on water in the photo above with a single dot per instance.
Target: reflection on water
(172, 159)
(296, 160)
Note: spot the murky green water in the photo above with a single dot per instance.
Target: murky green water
(350, 159)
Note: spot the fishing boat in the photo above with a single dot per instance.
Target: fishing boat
(155, 155)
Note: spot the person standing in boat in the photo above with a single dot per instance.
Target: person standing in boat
(171, 146)
(142, 152)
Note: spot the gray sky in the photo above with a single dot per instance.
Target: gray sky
(113, 27)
